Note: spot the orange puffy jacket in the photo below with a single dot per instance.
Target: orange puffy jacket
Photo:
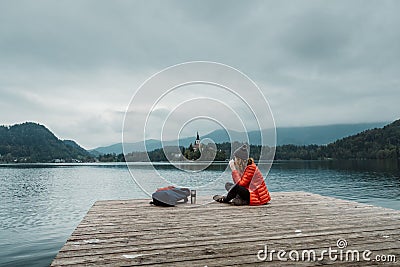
(253, 180)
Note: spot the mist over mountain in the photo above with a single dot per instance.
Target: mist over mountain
(318, 135)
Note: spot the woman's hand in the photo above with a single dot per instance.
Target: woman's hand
(232, 165)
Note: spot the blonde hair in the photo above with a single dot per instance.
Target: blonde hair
(240, 164)
(250, 161)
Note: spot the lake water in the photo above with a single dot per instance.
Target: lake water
(42, 204)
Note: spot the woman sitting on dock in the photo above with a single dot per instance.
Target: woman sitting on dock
(249, 187)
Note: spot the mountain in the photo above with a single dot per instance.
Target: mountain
(115, 148)
(322, 135)
(32, 142)
(129, 147)
(75, 148)
(378, 143)
(319, 135)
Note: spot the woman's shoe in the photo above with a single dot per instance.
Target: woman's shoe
(219, 198)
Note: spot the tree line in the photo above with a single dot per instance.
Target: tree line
(31, 142)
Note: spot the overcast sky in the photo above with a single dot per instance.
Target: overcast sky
(74, 65)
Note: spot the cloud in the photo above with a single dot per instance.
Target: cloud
(74, 66)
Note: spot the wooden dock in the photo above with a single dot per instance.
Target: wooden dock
(132, 233)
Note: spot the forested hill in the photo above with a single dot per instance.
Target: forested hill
(32, 142)
(375, 143)
(378, 143)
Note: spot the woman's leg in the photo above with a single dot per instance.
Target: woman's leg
(228, 186)
(238, 190)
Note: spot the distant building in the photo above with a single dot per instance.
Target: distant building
(197, 143)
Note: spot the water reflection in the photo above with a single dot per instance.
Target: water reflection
(386, 166)
(368, 181)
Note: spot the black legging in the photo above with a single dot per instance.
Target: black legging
(238, 190)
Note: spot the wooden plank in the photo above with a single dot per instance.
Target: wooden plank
(236, 245)
(131, 232)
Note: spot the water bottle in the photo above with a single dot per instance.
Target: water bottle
(193, 196)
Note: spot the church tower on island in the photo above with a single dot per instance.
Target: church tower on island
(197, 143)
